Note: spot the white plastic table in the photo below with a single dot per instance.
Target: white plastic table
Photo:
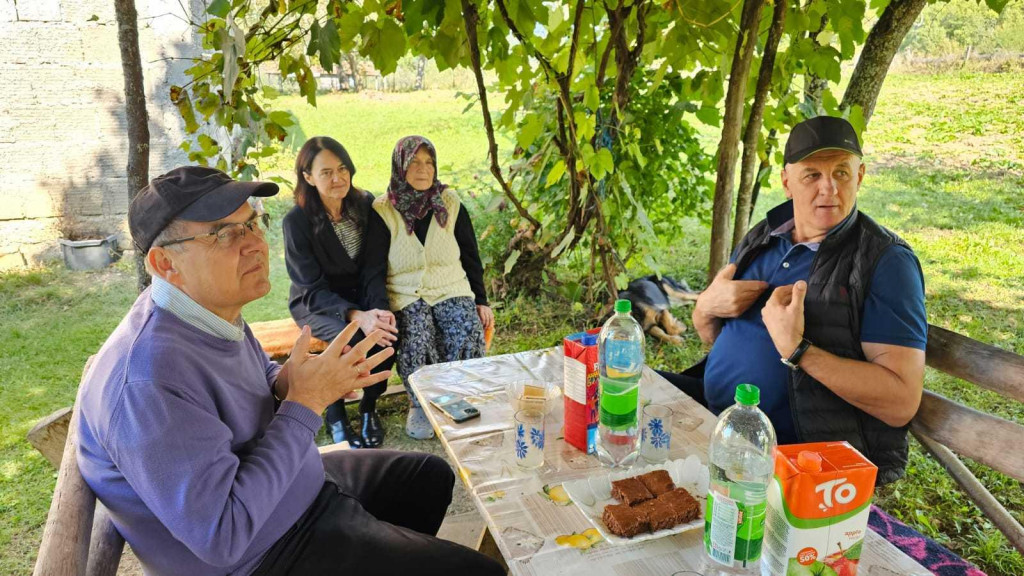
(524, 510)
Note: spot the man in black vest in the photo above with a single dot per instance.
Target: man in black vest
(822, 308)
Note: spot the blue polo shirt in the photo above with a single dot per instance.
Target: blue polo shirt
(894, 313)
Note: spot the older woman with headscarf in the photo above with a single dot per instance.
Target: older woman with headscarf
(424, 265)
(324, 252)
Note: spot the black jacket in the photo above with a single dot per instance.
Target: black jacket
(325, 281)
(836, 289)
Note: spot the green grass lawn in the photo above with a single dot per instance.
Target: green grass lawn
(945, 170)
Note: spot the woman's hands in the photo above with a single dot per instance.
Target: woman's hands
(370, 320)
(486, 316)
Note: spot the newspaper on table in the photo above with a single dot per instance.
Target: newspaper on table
(534, 523)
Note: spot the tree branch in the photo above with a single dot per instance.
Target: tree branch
(544, 62)
(679, 7)
(881, 45)
(603, 67)
(472, 17)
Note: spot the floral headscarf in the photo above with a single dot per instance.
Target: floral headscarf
(411, 203)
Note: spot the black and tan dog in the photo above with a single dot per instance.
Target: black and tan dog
(652, 298)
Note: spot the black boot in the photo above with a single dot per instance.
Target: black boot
(339, 427)
(373, 430)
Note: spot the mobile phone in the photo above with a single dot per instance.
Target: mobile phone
(455, 407)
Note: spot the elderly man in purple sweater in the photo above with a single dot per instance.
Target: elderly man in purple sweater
(202, 448)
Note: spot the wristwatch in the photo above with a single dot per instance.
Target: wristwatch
(794, 359)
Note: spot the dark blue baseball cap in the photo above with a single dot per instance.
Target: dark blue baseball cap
(195, 193)
(821, 133)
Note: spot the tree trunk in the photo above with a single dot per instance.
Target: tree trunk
(582, 199)
(765, 164)
(814, 85)
(879, 49)
(135, 113)
(729, 144)
(748, 164)
(533, 259)
(353, 69)
(421, 70)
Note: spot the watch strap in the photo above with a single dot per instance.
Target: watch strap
(793, 362)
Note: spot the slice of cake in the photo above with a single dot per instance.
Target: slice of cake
(658, 514)
(685, 507)
(630, 491)
(658, 482)
(624, 521)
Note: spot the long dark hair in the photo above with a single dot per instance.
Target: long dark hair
(306, 195)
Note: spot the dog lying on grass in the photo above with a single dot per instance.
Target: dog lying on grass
(652, 299)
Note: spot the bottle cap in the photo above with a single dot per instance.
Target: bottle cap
(589, 340)
(808, 461)
(748, 395)
(623, 306)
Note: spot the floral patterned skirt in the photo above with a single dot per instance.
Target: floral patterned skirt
(445, 332)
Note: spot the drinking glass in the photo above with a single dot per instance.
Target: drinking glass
(656, 437)
(529, 438)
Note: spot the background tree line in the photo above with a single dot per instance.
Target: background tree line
(605, 99)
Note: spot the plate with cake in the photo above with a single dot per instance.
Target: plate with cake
(644, 503)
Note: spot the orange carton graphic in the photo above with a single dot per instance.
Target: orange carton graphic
(818, 507)
(581, 390)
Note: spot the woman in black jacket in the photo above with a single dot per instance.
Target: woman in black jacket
(323, 236)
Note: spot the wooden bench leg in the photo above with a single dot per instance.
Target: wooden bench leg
(106, 546)
(488, 547)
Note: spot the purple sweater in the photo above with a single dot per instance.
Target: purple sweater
(179, 440)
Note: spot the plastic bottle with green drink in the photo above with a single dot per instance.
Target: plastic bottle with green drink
(620, 360)
(741, 462)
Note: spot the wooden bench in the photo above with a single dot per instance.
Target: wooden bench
(79, 537)
(278, 336)
(947, 428)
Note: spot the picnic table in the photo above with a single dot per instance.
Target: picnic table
(526, 512)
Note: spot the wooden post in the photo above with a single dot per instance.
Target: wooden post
(106, 546)
(65, 547)
(50, 434)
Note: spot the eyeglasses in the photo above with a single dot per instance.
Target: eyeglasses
(227, 235)
(330, 173)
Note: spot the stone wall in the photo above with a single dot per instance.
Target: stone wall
(63, 142)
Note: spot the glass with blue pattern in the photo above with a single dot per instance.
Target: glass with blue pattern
(528, 438)
(656, 434)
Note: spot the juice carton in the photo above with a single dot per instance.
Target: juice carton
(818, 507)
(580, 377)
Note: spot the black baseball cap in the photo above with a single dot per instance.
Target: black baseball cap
(195, 193)
(821, 133)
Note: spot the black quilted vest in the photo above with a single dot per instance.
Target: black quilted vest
(836, 288)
